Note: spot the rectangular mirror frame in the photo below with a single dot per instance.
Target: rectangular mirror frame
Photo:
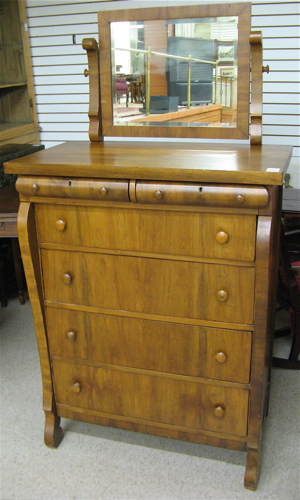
(241, 10)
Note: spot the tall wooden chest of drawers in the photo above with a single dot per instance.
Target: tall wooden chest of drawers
(152, 277)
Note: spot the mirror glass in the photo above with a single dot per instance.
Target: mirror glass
(180, 72)
(175, 72)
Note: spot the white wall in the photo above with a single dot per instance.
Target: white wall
(56, 28)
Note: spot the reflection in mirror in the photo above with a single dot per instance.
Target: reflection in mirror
(180, 72)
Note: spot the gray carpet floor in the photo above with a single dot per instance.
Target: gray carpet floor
(95, 462)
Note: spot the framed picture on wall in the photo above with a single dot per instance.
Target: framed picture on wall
(225, 52)
(227, 72)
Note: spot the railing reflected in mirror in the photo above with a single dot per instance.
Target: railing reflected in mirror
(176, 72)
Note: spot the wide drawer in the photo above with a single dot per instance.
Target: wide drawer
(208, 195)
(152, 398)
(151, 345)
(154, 286)
(223, 236)
(60, 187)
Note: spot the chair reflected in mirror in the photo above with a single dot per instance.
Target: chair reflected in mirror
(121, 88)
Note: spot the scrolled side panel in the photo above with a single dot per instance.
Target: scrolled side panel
(31, 262)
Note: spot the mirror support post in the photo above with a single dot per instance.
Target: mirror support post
(91, 47)
(256, 88)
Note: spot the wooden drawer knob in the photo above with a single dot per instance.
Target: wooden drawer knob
(219, 411)
(66, 278)
(158, 195)
(222, 237)
(239, 199)
(222, 295)
(34, 188)
(60, 225)
(221, 357)
(103, 191)
(76, 387)
(71, 336)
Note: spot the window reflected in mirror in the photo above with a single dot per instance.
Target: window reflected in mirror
(180, 72)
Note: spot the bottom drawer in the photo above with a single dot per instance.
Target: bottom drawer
(152, 398)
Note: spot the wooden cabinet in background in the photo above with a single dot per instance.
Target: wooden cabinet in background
(18, 117)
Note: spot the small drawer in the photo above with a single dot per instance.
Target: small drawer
(151, 345)
(151, 398)
(83, 189)
(205, 195)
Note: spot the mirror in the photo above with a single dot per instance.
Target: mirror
(176, 71)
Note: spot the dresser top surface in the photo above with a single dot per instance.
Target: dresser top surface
(159, 161)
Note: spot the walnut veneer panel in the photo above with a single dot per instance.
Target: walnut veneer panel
(177, 402)
(153, 286)
(223, 236)
(152, 345)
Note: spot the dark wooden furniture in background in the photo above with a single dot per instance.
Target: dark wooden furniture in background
(9, 205)
(11, 151)
(288, 296)
(18, 115)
